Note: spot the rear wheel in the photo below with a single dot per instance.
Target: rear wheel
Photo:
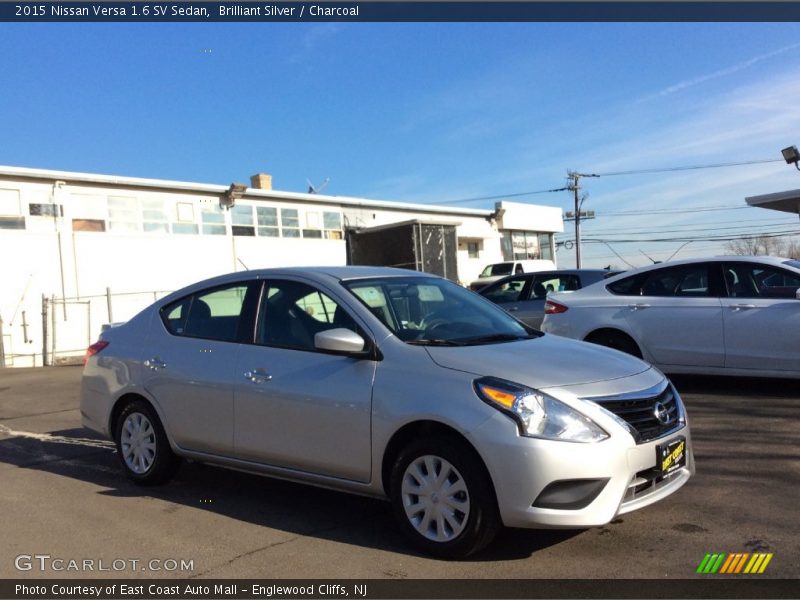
(142, 445)
(443, 498)
(616, 340)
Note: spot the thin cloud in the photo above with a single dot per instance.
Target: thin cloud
(721, 73)
(313, 37)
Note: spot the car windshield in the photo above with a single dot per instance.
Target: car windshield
(497, 270)
(436, 312)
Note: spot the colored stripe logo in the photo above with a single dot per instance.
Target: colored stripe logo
(735, 563)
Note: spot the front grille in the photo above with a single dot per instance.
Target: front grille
(647, 482)
(640, 410)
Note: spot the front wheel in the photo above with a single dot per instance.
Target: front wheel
(142, 445)
(443, 497)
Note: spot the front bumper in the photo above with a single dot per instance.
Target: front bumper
(522, 468)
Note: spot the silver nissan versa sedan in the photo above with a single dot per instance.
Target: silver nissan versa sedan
(393, 384)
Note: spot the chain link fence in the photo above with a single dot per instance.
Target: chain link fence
(70, 325)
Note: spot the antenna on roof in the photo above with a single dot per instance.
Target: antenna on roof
(312, 189)
(653, 260)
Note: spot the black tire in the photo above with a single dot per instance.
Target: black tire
(159, 463)
(474, 528)
(616, 340)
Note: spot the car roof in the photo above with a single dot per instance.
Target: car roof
(551, 272)
(770, 260)
(321, 273)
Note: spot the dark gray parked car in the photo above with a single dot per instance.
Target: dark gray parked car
(523, 295)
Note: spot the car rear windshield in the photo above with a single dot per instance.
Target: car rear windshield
(793, 263)
(497, 270)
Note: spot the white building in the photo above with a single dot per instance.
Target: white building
(79, 250)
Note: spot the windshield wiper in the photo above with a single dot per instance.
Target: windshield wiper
(496, 337)
(435, 342)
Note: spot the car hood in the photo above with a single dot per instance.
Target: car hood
(544, 362)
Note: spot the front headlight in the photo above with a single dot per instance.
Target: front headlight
(537, 414)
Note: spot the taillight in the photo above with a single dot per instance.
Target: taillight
(94, 349)
(551, 307)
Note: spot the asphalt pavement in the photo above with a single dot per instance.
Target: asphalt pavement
(63, 495)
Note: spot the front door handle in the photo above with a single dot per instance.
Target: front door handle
(257, 376)
(513, 308)
(742, 306)
(154, 364)
(638, 306)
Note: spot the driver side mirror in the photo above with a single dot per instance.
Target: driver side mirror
(339, 340)
(797, 294)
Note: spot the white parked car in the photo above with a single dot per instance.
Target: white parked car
(496, 271)
(737, 315)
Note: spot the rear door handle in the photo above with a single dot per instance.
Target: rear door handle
(742, 306)
(154, 364)
(638, 306)
(257, 376)
(513, 308)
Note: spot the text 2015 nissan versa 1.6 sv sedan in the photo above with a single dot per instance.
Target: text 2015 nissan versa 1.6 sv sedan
(389, 383)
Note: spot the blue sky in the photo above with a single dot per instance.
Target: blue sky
(432, 112)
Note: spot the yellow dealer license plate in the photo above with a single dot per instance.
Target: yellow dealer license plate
(671, 456)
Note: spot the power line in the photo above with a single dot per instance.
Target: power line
(663, 211)
(720, 238)
(685, 168)
(501, 196)
(681, 230)
(768, 222)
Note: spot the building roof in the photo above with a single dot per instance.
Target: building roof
(783, 201)
(251, 193)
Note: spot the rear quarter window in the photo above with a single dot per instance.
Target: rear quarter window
(630, 286)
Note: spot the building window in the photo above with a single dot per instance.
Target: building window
(472, 249)
(521, 245)
(12, 222)
(242, 220)
(290, 223)
(312, 233)
(9, 203)
(123, 214)
(45, 210)
(267, 219)
(213, 220)
(90, 212)
(184, 219)
(184, 212)
(332, 224)
(154, 216)
(545, 249)
(185, 228)
(88, 225)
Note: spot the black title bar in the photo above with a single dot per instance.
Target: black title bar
(711, 587)
(426, 11)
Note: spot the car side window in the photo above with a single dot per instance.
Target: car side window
(545, 284)
(749, 280)
(211, 314)
(292, 313)
(685, 280)
(508, 291)
(630, 286)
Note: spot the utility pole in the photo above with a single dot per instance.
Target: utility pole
(574, 187)
(578, 215)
